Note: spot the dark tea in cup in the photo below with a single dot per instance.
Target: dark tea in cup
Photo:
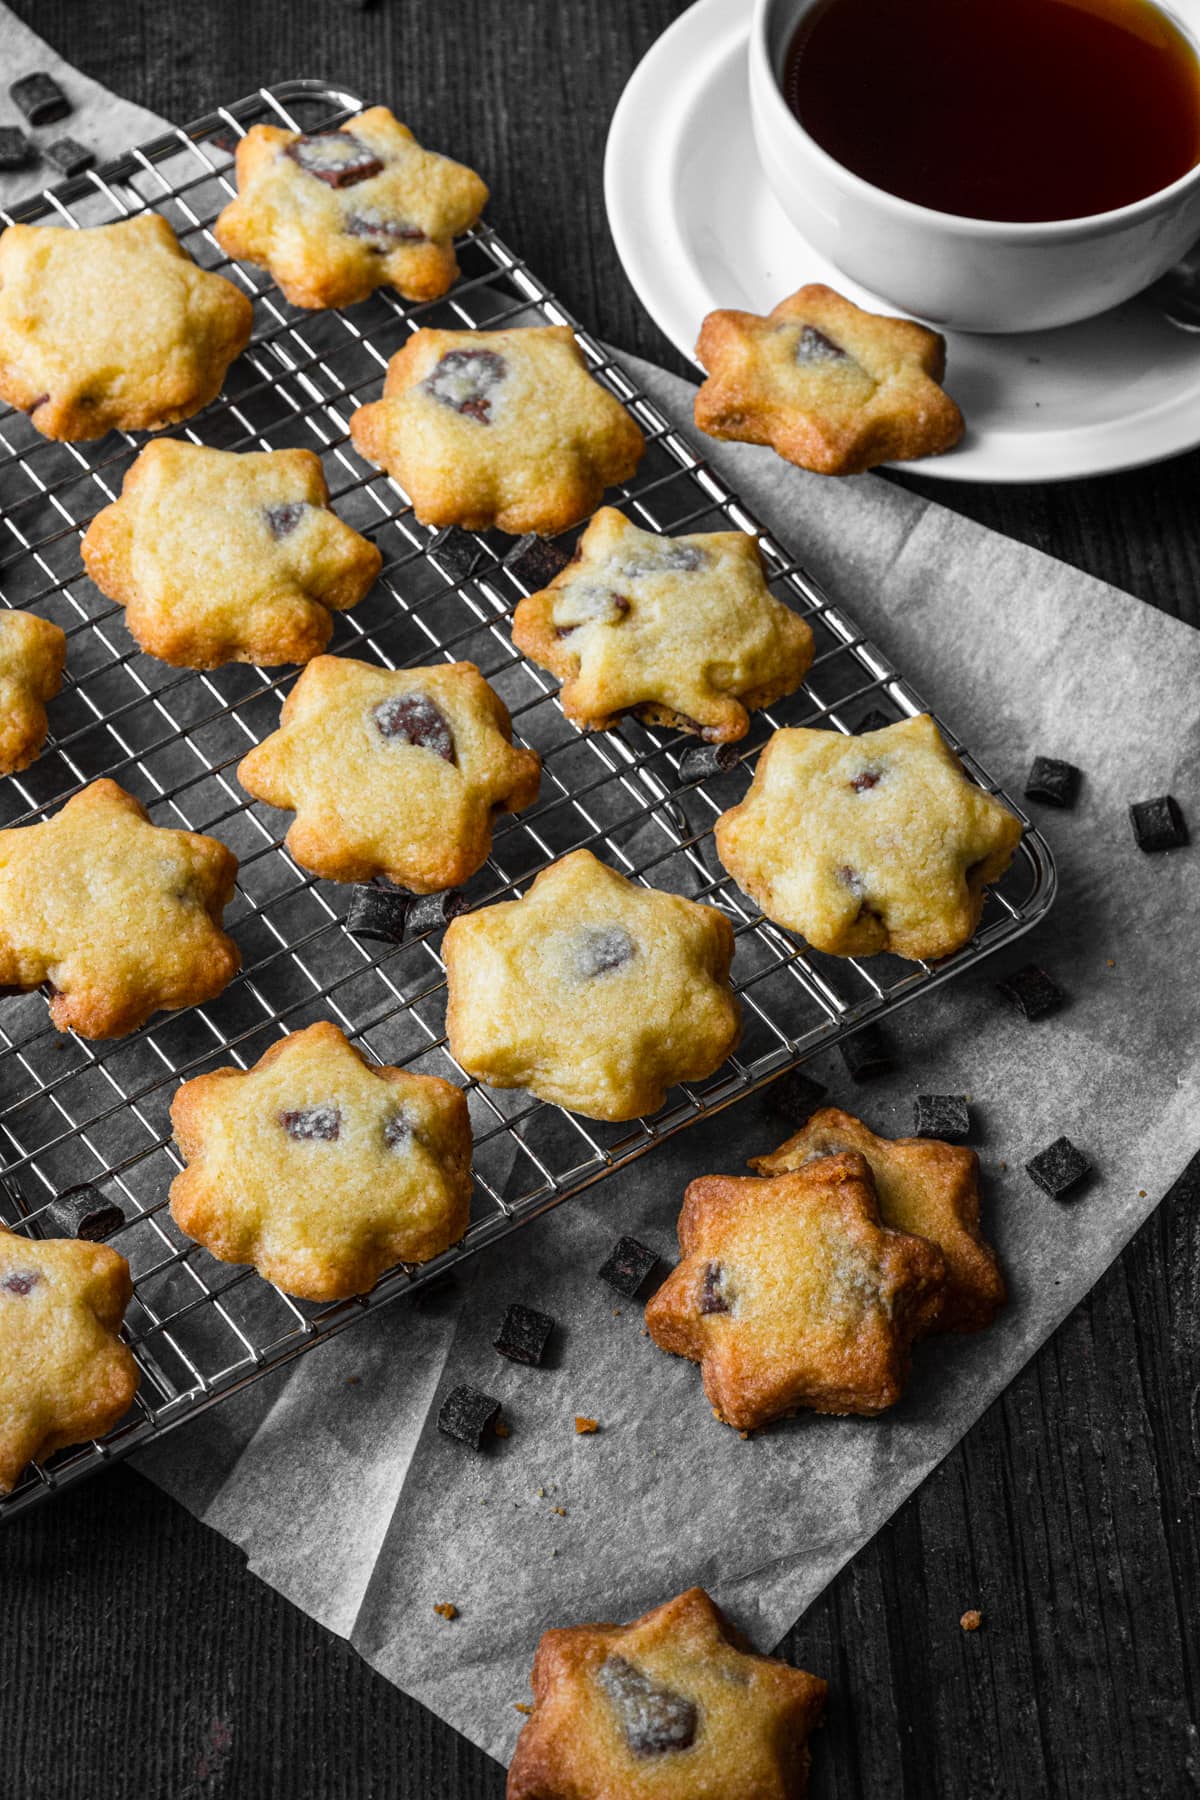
(1000, 109)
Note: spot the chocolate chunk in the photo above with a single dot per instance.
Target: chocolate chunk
(812, 346)
(585, 604)
(943, 1116)
(795, 1096)
(40, 98)
(873, 721)
(429, 912)
(414, 719)
(70, 157)
(20, 1282)
(524, 1335)
(628, 1266)
(1032, 991)
(337, 158)
(712, 1290)
(468, 1415)
(283, 519)
(466, 381)
(398, 1133)
(309, 1124)
(536, 561)
(457, 551)
(378, 914)
(699, 761)
(865, 780)
(16, 151)
(654, 1719)
(1059, 1168)
(1053, 783)
(851, 879)
(382, 234)
(1158, 824)
(83, 1212)
(602, 949)
(866, 1054)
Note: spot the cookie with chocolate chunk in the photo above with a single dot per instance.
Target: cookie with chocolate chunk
(65, 1375)
(320, 1168)
(112, 325)
(503, 428)
(392, 772)
(223, 557)
(868, 843)
(33, 653)
(792, 1294)
(592, 991)
(336, 214)
(683, 631)
(673, 1706)
(825, 384)
(925, 1187)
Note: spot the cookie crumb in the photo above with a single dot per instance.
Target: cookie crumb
(522, 1706)
(1141, 1193)
(561, 1511)
(446, 1610)
(1110, 962)
(971, 1620)
(353, 1380)
(502, 1428)
(584, 1427)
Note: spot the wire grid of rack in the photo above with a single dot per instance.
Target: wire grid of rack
(74, 1112)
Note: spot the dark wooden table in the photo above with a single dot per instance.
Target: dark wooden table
(140, 1660)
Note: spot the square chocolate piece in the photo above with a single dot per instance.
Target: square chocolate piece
(40, 98)
(456, 551)
(866, 1054)
(524, 1335)
(431, 912)
(468, 1416)
(69, 157)
(536, 561)
(16, 151)
(1053, 783)
(946, 1117)
(82, 1212)
(699, 761)
(628, 1266)
(1158, 824)
(1059, 1168)
(378, 914)
(1032, 992)
(795, 1096)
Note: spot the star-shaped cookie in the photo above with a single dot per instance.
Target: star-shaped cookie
(112, 325)
(319, 1168)
(592, 991)
(119, 916)
(65, 1375)
(335, 214)
(925, 1187)
(33, 653)
(221, 557)
(683, 631)
(674, 1706)
(792, 1294)
(503, 428)
(869, 843)
(392, 772)
(826, 385)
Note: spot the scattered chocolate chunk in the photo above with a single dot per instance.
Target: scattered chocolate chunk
(524, 1334)
(654, 1719)
(972, 1619)
(83, 1212)
(873, 721)
(457, 551)
(69, 157)
(414, 719)
(310, 1124)
(429, 912)
(1059, 1168)
(866, 1054)
(468, 1415)
(337, 158)
(1053, 783)
(283, 519)
(699, 761)
(378, 914)
(943, 1116)
(20, 1282)
(1032, 991)
(795, 1096)
(16, 151)
(398, 1133)
(865, 780)
(1158, 824)
(586, 1427)
(628, 1266)
(712, 1290)
(602, 949)
(466, 381)
(381, 234)
(812, 346)
(536, 561)
(40, 98)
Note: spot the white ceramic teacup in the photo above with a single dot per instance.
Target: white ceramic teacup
(969, 274)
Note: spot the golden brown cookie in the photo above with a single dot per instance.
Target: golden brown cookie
(335, 214)
(113, 325)
(503, 428)
(683, 631)
(675, 1706)
(65, 1375)
(392, 772)
(925, 1187)
(222, 557)
(826, 385)
(33, 653)
(592, 991)
(792, 1294)
(319, 1168)
(869, 843)
(119, 916)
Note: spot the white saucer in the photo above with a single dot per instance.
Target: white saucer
(697, 227)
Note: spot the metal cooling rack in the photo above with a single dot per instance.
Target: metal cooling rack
(74, 1112)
